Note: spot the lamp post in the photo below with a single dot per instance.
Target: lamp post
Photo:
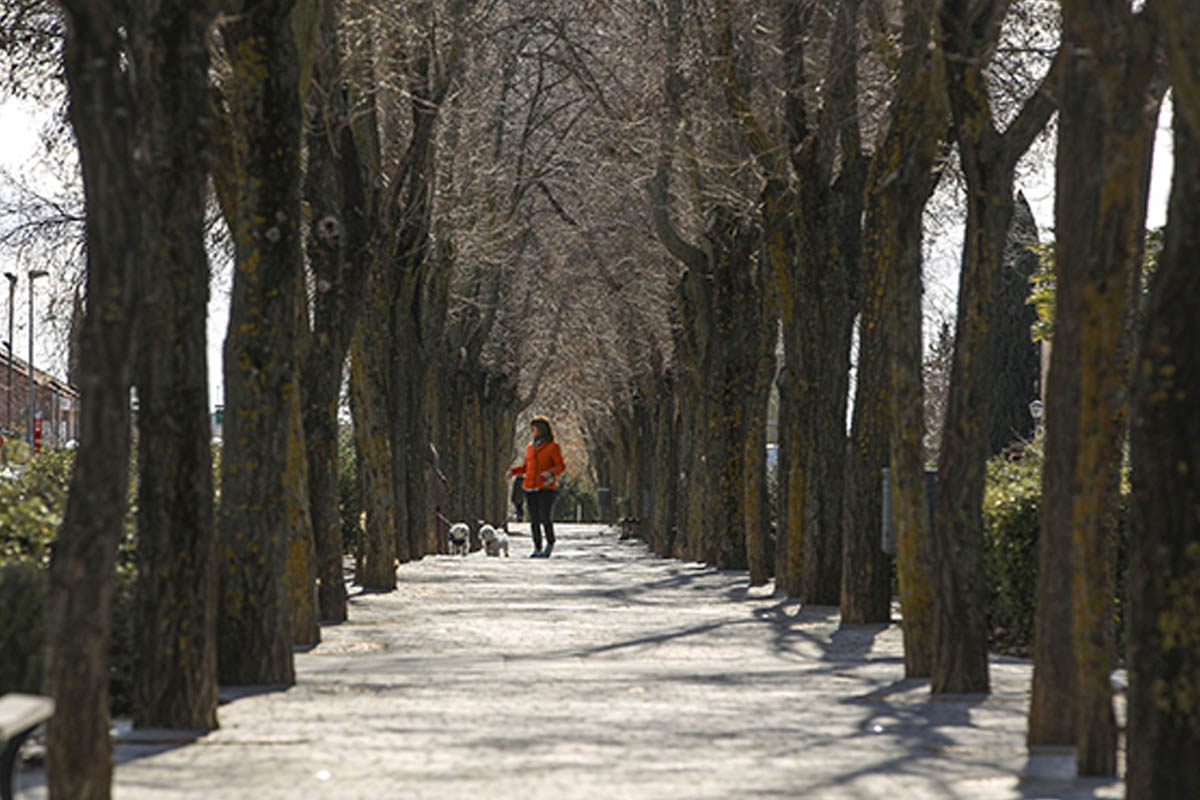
(12, 288)
(1037, 410)
(34, 274)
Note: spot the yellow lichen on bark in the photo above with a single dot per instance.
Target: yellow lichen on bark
(1179, 633)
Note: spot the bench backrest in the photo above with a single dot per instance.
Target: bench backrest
(20, 712)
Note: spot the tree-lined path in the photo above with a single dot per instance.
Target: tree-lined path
(601, 672)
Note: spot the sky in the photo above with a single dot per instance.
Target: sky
(22, 154)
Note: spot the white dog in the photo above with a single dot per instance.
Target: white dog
(495, 540)
(460, 539)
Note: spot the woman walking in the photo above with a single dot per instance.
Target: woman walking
(543, 464)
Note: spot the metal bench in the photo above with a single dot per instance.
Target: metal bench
(20, 714)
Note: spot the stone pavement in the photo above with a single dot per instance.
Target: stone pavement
(603, 672)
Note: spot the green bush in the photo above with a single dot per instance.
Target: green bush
(22, 637)
(1011, 507)
(575, 501)
(122, 647)
(31, 513)
(1011, 504)
(31, 510)
(31, 506)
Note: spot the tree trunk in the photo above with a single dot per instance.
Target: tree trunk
(1164, 544)
(960, 631)
(336, 246)
(410, 430)
(866, 586)
(758, 332)
(375, 570)
(866, 576)
(665, 521)
(176, 591)
(299, 566)
(795, 406)
(262, 188)
(822, 337)
(321, 434)
(901, 179)
(79, 603)
(989, 158)
(1104, 142)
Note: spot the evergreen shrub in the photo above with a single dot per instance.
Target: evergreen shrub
(573, 495)
(1011, 506)
(32, 504)
(22, 633)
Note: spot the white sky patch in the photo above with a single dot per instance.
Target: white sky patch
(944, 255)
(23, 157)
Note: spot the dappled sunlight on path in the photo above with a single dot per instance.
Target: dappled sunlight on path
(603, 671)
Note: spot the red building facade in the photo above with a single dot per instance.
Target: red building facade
(55, 402)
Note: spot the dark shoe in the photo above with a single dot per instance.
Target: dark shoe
(549, 549)
(537, 554)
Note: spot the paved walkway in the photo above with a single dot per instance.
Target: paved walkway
(603, 672)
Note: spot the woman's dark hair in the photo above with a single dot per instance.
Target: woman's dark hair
(543, 429)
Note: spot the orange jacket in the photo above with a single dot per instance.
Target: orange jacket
(547, 457)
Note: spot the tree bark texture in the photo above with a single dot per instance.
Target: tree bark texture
(814, 246)
(989, 158)
(176, 590)
(335, 191)
(719, 321)
(262, 180)
(757, 334)
(399, 317)
(665, 520)
(79, 604)
(299, 566)
(410, 369)
(1101, 185)
(900, 180)
(1164, 545)
(866, 569)
(374, 569)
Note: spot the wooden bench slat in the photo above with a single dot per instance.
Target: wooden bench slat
(20, 712)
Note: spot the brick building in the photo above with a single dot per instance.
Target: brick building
(54, 400)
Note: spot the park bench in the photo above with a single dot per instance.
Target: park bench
(19, 715)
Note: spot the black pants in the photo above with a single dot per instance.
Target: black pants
(541, 515)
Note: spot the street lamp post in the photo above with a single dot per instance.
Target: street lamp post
(34, 274)
(12, 288)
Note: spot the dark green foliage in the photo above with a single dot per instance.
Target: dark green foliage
(575, 502)
(1012, 500)
(31, 506)
(31, 512)
(23, 598)
(1016, 361)
(1011, 505)
(121, 648)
